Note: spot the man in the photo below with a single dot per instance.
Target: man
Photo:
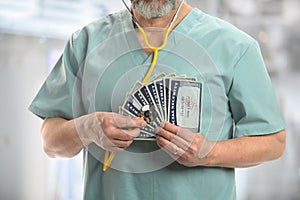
(241, 124)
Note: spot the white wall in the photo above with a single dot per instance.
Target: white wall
(23, 68)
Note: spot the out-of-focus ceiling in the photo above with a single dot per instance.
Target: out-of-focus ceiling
(59, 18)
(51, 18)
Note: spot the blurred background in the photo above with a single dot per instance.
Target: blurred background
(33, 34)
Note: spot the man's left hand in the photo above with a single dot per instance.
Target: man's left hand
(188, 148)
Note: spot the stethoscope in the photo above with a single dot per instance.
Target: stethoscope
(110, 156)
(154, 49)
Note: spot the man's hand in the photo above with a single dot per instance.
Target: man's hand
(110, 131)
(186, 147)
(192, 149)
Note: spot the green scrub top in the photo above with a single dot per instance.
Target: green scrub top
(102, 62)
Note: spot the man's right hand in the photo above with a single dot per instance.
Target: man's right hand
(110, 131)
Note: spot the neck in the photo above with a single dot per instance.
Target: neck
(164, 21)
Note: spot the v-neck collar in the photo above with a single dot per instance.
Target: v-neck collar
(139, 56)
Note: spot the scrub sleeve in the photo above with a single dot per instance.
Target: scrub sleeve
(252, 100)
(55, 97)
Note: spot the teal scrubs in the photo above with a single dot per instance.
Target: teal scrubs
(102, 62)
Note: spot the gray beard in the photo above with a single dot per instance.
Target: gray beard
(154, 8)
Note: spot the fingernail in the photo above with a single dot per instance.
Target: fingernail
(162, 124)
(157, 129)
(143, 123)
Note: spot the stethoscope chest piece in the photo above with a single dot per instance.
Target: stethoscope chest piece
(148, 113)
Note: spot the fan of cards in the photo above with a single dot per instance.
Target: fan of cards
(165, 97)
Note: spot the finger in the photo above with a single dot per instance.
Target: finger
(125, 135)
(128, 122)
(170, 127)
(109, 145)
(165, 133)
(129, 133)
(180, 132)
(173, 150)
(180, 142)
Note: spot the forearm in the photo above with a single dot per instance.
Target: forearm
(246, 151)
(60, 138)
(110, 131)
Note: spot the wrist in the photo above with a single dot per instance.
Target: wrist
(88, 128)
(208, 154)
